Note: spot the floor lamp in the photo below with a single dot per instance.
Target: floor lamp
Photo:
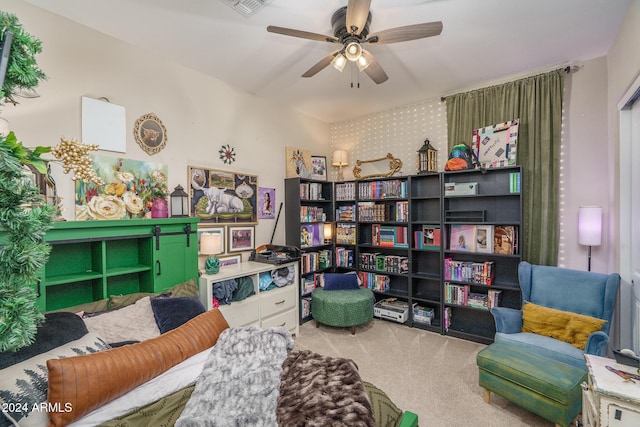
(590, 228)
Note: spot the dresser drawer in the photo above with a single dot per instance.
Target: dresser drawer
(287, 320)
(277, 300)
(242, 313)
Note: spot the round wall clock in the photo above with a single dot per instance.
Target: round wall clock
(150, 133)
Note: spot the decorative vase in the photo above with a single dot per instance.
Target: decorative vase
(212, 265)
(159, 208)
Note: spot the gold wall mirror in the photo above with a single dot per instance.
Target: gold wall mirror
(384, 166)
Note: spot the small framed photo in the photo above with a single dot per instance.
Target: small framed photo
(230, 260)
(207, 244)
(319, 168)
(241, 239)
(150, 133)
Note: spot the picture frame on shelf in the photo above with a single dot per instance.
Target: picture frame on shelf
(496, 146)
(241, 239)
(319, 168)
(463, 238)
(230, 260)
(484, 238)
(298, 163)
(212, 230)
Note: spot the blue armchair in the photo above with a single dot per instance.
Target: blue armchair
(588, 293)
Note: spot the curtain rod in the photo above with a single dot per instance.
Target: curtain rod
(567, 70)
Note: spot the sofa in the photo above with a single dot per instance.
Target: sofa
(169, 369)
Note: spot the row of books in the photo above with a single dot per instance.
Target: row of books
(346, 191)
(312, 261)
(514, 182)
(393, 189)
(369, 211)
(466, 271)
(381, 262)
(345, 234)
(428, 237)
(462, 295)
(346, 213)
(389, 236)
(311, 191)
(485, 238)
(377, 282)
(306, 307)
(312, 214)
(344, 257)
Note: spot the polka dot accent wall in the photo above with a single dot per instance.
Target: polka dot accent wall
(400, 131)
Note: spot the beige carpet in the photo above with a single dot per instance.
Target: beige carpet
(432, 375)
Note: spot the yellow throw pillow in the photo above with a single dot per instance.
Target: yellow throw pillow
(562, 325)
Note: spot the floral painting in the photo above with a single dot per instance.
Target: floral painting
(129, 190)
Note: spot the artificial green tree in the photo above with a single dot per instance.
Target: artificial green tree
(24, 219)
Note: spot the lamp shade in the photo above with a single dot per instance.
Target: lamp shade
(340, 158)
(211, 243)
(590, 225)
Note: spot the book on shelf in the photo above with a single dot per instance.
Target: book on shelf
(346, 234)
(390, 189)
(484, 238)
(463, 237)
(371, 211)
(311, 191)
(312, 214)
(344, 257)
(346, 191)
(514, 182)
(311, 235)
(346, 213)
(467, 271)
(377, 282)
(505, 239)
(430, 236)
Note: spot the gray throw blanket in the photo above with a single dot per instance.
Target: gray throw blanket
(240, 382)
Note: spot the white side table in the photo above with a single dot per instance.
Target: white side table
(608, 400)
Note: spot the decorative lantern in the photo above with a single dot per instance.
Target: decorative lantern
(179, 202)
(427, 158)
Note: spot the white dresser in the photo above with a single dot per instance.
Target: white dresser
(275, 307)
(608, 400)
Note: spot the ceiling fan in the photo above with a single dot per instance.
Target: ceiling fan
(351, 29)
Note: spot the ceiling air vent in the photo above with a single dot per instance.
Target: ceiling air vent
(246, 7)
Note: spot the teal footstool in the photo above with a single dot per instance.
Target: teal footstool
(342, 308)
(537, 383)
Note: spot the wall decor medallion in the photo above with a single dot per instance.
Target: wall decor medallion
(227, 154)
(150, 133)
(222, 197)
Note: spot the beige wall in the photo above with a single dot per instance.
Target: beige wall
(200, 113)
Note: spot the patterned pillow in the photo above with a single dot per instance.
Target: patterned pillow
(23, 386)
(385, 412)
(132, 323)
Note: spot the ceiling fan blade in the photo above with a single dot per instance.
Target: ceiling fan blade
(321, 65)
(357, 14)
(374, 70)
(409, 32)
(302, 34)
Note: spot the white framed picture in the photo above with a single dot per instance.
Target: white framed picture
(241, 239)
(484, 238)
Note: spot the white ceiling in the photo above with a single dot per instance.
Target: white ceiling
(482, 41)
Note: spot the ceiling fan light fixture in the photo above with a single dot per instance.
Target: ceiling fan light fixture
(362, 63)
(353, 51)
(339, 62)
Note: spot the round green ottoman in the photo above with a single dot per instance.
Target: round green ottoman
(343, 308)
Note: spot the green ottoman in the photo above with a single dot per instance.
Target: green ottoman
(537, 383)
(343, 308)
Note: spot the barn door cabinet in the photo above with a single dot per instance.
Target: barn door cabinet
(91, 260)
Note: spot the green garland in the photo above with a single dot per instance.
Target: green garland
(24, 220)
(23, 72)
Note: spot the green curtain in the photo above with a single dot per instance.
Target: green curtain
(537, 102)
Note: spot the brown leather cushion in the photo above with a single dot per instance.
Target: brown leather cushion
(84, 383)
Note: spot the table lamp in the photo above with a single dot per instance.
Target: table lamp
(340, 159)
(211, 244)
